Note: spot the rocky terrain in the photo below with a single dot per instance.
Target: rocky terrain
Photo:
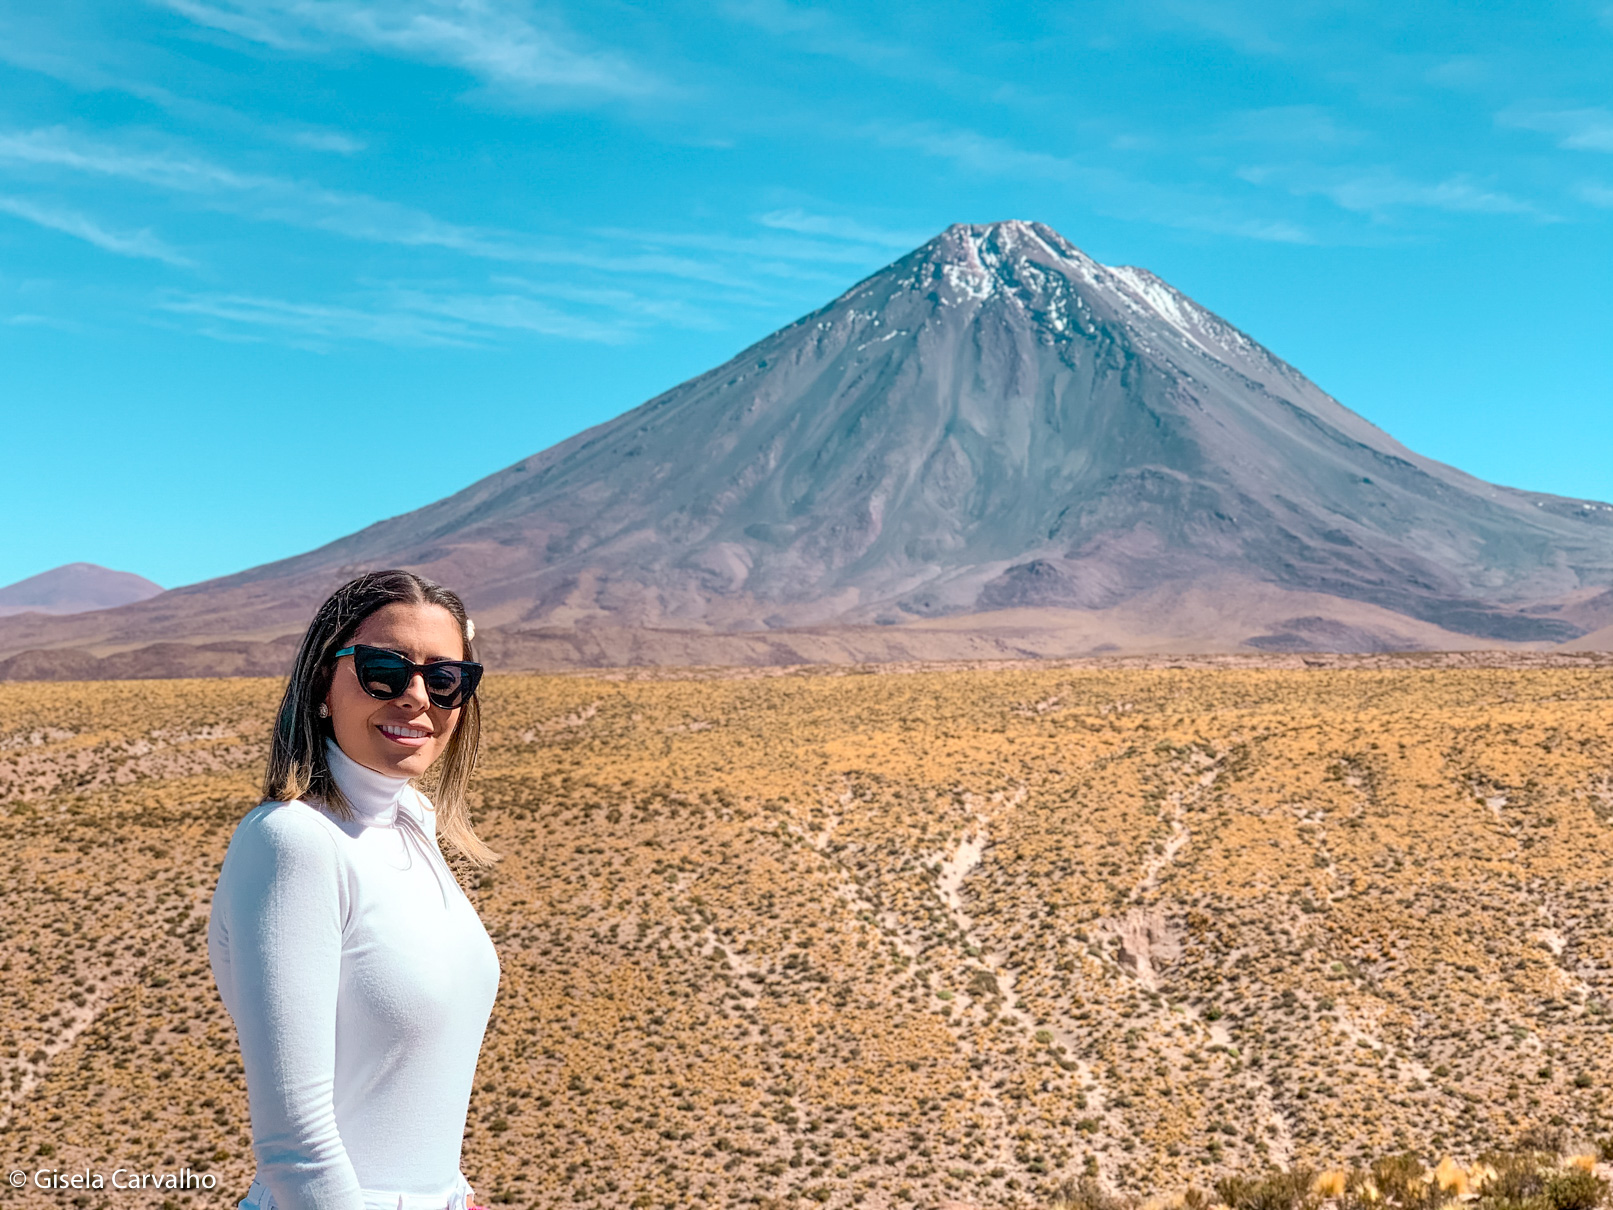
(995, 425)
(933, 937)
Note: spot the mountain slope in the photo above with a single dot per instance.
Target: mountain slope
(75, 588)
(995, 421)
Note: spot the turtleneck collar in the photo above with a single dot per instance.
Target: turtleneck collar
(374, 797)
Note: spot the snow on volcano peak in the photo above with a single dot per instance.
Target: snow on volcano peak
(1143, 290)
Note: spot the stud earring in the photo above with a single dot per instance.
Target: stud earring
(324, 710)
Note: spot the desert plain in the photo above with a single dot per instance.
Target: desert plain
(857, 937)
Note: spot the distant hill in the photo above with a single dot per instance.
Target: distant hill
(993, 446)
(75, 588)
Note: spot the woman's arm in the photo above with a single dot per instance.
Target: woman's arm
(275, 942)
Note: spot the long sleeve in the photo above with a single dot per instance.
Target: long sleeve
(275, 944)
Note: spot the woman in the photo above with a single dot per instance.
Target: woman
(359, 976)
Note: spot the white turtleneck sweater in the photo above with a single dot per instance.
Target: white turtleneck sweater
(360, 980)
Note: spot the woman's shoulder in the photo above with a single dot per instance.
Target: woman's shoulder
(288, 828)
(283, 848)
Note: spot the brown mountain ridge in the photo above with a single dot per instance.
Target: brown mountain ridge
(75, 588)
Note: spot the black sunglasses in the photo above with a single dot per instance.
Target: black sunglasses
(386, 674)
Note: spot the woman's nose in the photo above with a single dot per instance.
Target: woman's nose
(416, 695)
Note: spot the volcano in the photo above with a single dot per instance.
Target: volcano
(995, 430)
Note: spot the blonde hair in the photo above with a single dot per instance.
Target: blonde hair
(297, 765)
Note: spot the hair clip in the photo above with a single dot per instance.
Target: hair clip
(470, 629)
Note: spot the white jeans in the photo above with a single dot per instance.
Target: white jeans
(258, 1197)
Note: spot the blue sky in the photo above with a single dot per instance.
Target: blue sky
(271, 270)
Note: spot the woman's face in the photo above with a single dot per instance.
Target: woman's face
(403, 736)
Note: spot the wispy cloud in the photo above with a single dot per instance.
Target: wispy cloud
(241, 21)
(1224, 21)
(774, 255)
(1378, 191)
(353, 215)
(1461, 73)
(358, 216)
(839, 227)
(1299, 125)
(496, 42)
(733, 270)
(972, 150)
(26, 319)
(315, 326)
(57, 147)
(777, 16)
(630, 306)
(1596, 195)
(1105, 189)
(323, 140)
(819, 32)
(140, 244)
(505, 308)
(1583, 129)
(507, 313)
(404, 317)
(90, 64)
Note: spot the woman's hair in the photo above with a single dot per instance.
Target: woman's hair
(297, 764)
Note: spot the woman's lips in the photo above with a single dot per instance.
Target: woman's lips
(403, 733)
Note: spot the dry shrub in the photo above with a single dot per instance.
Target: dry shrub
(1086, 1194)
(1547, 1140)
(1292, 1190)
(1519, 1180)
(1530, 1180)
(1575, 1189)
(1403, 1181)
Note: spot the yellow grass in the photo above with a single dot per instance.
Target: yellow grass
(1220, 920)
